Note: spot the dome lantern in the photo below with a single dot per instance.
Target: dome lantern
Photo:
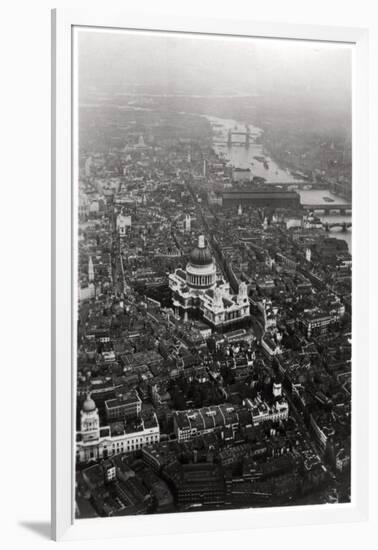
(201, 255)
(89, 405)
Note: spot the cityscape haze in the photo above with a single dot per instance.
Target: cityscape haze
(214, 273)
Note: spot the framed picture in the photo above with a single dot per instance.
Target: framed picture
(210, 363)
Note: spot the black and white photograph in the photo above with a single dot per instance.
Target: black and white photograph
(213, 362)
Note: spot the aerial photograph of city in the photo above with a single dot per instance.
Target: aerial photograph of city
(214, 273)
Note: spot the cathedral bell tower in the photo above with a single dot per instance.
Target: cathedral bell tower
(243, 293)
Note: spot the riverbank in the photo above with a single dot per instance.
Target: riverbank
(258, 160)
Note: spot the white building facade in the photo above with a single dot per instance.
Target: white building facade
(263, 412)
(123, 222)
(94, 442)
(199, 292)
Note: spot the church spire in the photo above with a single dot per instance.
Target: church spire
(90, 270)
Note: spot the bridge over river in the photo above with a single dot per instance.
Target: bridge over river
(341, 208)
(344, 226)
(246, 134)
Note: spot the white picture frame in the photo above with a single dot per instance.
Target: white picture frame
(64, 527)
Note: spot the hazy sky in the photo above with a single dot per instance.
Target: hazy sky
(172, 63)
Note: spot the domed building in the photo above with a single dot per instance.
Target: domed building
(201, 271)
(198, 292)
(95, 442)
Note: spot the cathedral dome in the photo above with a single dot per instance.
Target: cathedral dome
(201, 255)
(89, 405)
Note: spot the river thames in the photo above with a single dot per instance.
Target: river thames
(240, 155)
